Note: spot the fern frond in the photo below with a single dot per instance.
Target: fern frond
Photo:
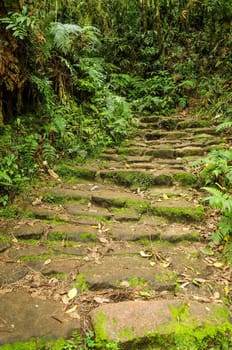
(219, 199)
(227, 125)
(29, 149)
(59, 125)
(48, 153)
(62, 33)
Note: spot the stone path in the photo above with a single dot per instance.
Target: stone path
(118, 246)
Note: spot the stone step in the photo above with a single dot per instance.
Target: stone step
(160, 324)
(174, 124)
(23, 318)
(175, 209)
(179, 134)
(141, 175)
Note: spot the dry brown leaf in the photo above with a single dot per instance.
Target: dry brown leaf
(65, 299)
(145, 255)
(125, 284)
(75, 315)
(48, 261)
(73, 309)
(101, 300)
(53, 174)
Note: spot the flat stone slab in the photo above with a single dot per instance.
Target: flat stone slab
(101, 195)
(72, 232)
(112, 271)
(28, 229)
(61, 266)
(24, 317)
(11, 272)
(152, 228)
(155, 321)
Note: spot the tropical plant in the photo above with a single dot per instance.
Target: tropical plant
(223, 202)
(20, 23)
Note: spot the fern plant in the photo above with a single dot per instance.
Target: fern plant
(20, 23)
(223, 202)
(63, 35)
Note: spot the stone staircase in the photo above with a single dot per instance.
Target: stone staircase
(119, 246)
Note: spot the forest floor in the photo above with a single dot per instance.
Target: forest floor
(119, 245)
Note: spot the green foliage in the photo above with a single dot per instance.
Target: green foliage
(12, 178)
(75, 343)
(223, 202)
(63, 35)
(215, 168)
(20, 23)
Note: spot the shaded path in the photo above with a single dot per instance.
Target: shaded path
(115, 241)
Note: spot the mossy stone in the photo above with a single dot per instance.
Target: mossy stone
(185, 179)
(180, 214)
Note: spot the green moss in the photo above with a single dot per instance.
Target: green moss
(98, 218)
(185, 179)
(57, 275)
(34, 257)
(127, 333)
(180, 214)
(29, 241)
(4, 239)
(57, 236)
(136, 282)
(61, 199)
(163, 153)
(67, 171)
(99, 324)
(86, 237)
(48, 343)
(194, 124)
(9, 212)
(145, 241)
(131, 179)
(53, 198)
(142, 207)
(185, 333)
(163, 180)
(165, 276)
(81, 284)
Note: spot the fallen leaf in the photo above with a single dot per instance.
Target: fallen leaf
(73, 309)
(37, 201)
(75, 315)
(65, 299)
(218, 264)
(14, 240)
(145, 294)
(48, 261)
(216, 296)
(103, 240)
(72, 293)
(166, 264)
(53, 174)
(101, 300)
(94, 188)
(125, 284)
(145, 255)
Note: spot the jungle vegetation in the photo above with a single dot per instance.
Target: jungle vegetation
(73, 74)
